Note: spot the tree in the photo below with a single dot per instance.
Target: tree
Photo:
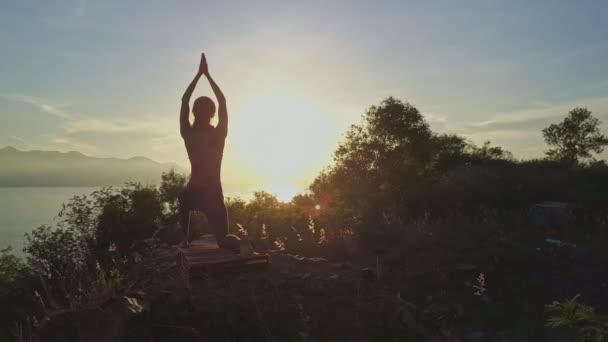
(392, 170)
(129, 219)
(575, 138)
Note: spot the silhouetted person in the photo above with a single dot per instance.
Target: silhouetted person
(205, 146)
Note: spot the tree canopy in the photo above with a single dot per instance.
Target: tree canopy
(576, 137)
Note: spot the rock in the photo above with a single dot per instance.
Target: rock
(475, 336)
(481, 336)
(507, 336)
(314, 260)
(106, 322)
(231, 242)
(340, 266)
(466, 267)
(368, 274)
(558, 243)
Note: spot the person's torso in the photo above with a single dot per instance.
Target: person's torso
(205, 150)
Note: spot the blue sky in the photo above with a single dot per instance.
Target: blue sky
(105, 77)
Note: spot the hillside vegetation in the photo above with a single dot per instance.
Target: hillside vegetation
(410, 235)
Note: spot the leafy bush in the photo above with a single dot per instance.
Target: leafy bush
(578, 318)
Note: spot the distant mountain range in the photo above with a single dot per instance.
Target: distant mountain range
(52, 168)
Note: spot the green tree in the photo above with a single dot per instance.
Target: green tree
(390, 167)
(576, 137)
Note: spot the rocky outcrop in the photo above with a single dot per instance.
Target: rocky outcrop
(297, 299)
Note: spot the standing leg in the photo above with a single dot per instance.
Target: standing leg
(217, 216)
(186, 206)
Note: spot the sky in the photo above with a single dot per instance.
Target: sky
(106, 77)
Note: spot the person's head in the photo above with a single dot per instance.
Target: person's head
(203, 109)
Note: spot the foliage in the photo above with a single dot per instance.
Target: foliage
(171, 186)
(11, 267)
(84, 257)
(576, 137)
(17, 286)
(392, 169)
(127, 219)
(582, 319)
(268, 221)
(53, 251)
(394, 182)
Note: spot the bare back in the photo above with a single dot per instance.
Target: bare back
(205, 147)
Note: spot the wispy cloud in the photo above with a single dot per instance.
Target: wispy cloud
(42, 104)
(79, 123)
(520, 131)
(88, 125)
(85, 133)
(438, 122)
(70, 144)
(15, 141)
(538, 117)
(506, 125)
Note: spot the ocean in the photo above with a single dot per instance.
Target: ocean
(25, 208)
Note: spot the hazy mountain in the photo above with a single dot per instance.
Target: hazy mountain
(52, 168)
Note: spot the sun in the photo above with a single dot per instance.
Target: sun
(282, 137)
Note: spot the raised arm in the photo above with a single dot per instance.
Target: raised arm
(222, 112)
(184, 114)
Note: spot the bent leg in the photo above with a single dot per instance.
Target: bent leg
(217, 215)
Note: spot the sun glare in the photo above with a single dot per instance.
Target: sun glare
(284, 191)
(283, 137)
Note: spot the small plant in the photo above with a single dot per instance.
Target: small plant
(311, 225)
(265, 234)
(312, 229)
(297, 234)
(480, 287)
(242, 230)
(322, 237)
(279, 244)
(579, 318)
